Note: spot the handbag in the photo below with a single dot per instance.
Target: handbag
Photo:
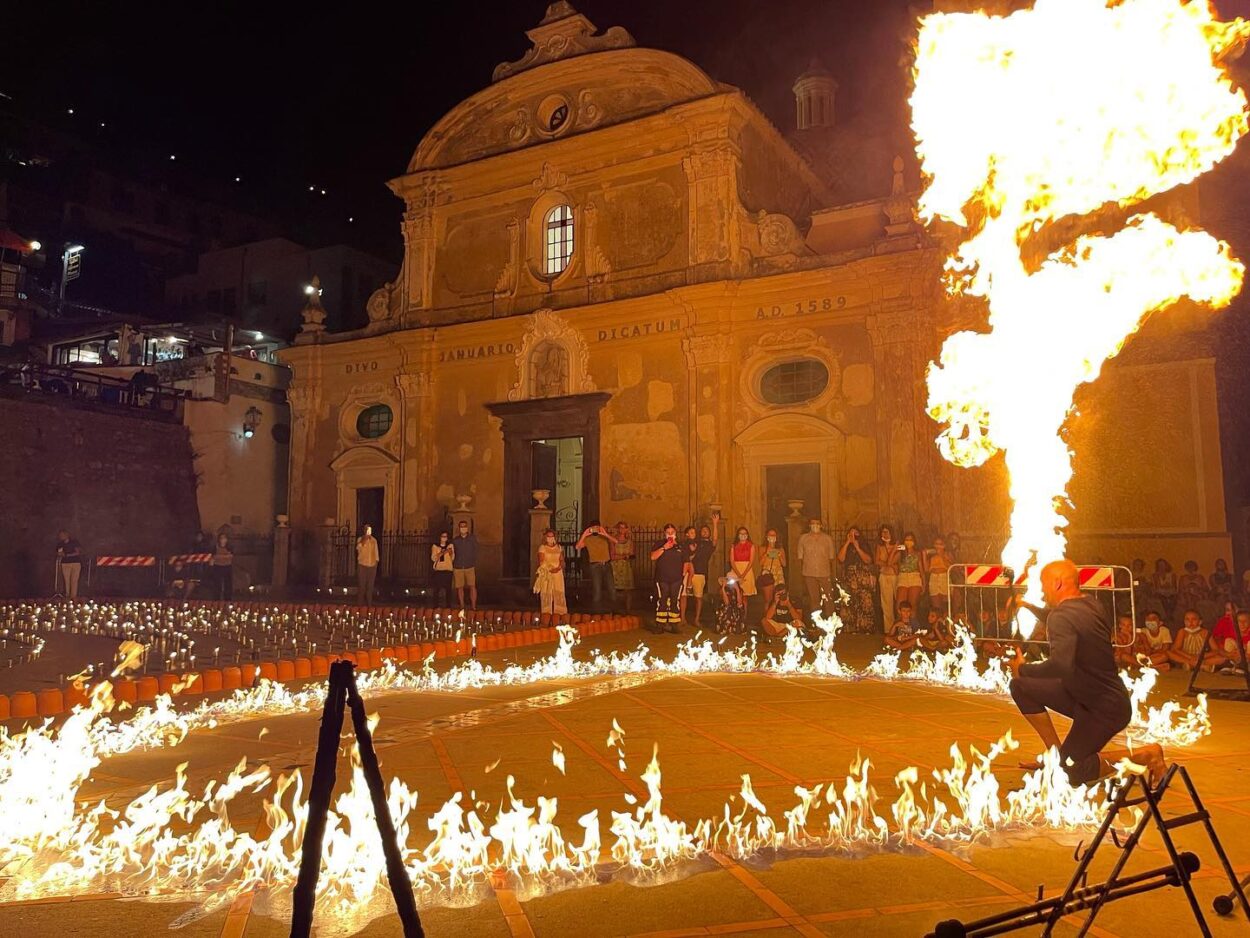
(765, 579)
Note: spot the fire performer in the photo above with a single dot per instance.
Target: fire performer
(1080, 681)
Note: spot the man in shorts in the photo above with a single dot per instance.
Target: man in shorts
(464, 565)
(698, 551)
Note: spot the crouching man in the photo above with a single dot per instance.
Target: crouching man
(1079, 680)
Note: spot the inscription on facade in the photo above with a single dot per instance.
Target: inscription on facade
(639, 330)
(467, 352)
(358, 368)
(825, 304)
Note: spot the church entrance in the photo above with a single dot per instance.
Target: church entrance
(558, 469)
(785, 483)
(552, 440)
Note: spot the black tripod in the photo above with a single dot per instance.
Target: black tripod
(1077, 896)
(342, 692)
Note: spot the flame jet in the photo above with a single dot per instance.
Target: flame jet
(1057, 112)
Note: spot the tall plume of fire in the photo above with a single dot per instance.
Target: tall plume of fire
(1053, 114)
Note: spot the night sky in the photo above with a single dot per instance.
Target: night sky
(286, 97)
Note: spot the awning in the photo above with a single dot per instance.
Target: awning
(12, 241)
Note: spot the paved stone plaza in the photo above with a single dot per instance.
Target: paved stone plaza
(710, 731)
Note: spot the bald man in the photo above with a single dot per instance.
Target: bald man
(1079, 680)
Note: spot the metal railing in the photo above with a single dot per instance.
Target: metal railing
(403, 556)
(145, 398)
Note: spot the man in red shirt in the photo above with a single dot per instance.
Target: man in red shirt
(1223, 653)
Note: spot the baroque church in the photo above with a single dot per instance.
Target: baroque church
(629, 295)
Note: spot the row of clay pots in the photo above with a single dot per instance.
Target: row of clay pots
(52, 701)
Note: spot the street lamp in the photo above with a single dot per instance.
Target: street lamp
(71, 267)
(251, 420)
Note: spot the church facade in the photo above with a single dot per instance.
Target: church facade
(625, 286)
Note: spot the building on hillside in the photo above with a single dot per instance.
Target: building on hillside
(261, 285)
(233, 405)
(621, 276)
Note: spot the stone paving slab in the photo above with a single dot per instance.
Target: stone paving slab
(710, 730)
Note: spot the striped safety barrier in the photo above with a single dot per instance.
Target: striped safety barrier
(190, 558)
(1097, 578)
(125, 561)
(986, 575)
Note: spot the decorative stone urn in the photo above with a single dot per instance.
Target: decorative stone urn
(462, 502)
(540, 498)
(796, 507)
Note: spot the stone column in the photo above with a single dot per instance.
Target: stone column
(795, 523)
(281, 554)
(414, 393)
(540, 519)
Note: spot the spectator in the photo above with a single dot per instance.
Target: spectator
(180, 584)
(1245, 586)
(1153, 642)
(937, 560)
(1221, 582)
(773, 565)
(1192, 588)
(1189, 641)
(816, 552)
(781, 614)
(1223, 653)
(911, 572)
(860, 583)
(598, 544)
(464, 564)
(669, 569)
(623, 564)
(549, 578)
(69, 561)
(733, 611)
(953, 543)
(442, 557)
(1124, 642)
(1163, 584)
(938, 634)
(742, 562)
(885, 556)
(223, 568)
(902, 635)
(367, 557)
(698, 552)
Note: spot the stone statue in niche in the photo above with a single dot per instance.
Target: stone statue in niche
(549, 371)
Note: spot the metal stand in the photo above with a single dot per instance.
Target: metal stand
(342, 693)
(1077, 896)
(1221, 693)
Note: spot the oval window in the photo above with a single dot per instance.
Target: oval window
(794, 382)
(374, 421)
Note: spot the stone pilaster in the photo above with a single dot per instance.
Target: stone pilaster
(707, 363)
(304, 399)
(715, 238)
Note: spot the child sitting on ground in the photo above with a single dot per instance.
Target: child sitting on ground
(732, 617)
(1223, 653)
(939, 634)
(781, 614)
(1124, 642)
(1187, 645)
(1153, 643)
(902, 635)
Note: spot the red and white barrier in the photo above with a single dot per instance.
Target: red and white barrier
(125, 561)
(190, 558)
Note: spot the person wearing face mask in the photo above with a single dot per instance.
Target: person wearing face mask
(442, 556)
(367, 557)
(861, 584)
(772, 567)
(816, 553)
(885, 556)
(911, 571)
(742, 562)
(464, 564)
(669, 568)
(549, 579)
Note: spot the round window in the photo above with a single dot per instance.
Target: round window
(794, 382)
(553, 114)
(374, 421)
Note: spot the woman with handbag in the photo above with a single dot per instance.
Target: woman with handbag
(772, 567)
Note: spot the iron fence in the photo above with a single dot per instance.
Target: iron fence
(403, 556)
